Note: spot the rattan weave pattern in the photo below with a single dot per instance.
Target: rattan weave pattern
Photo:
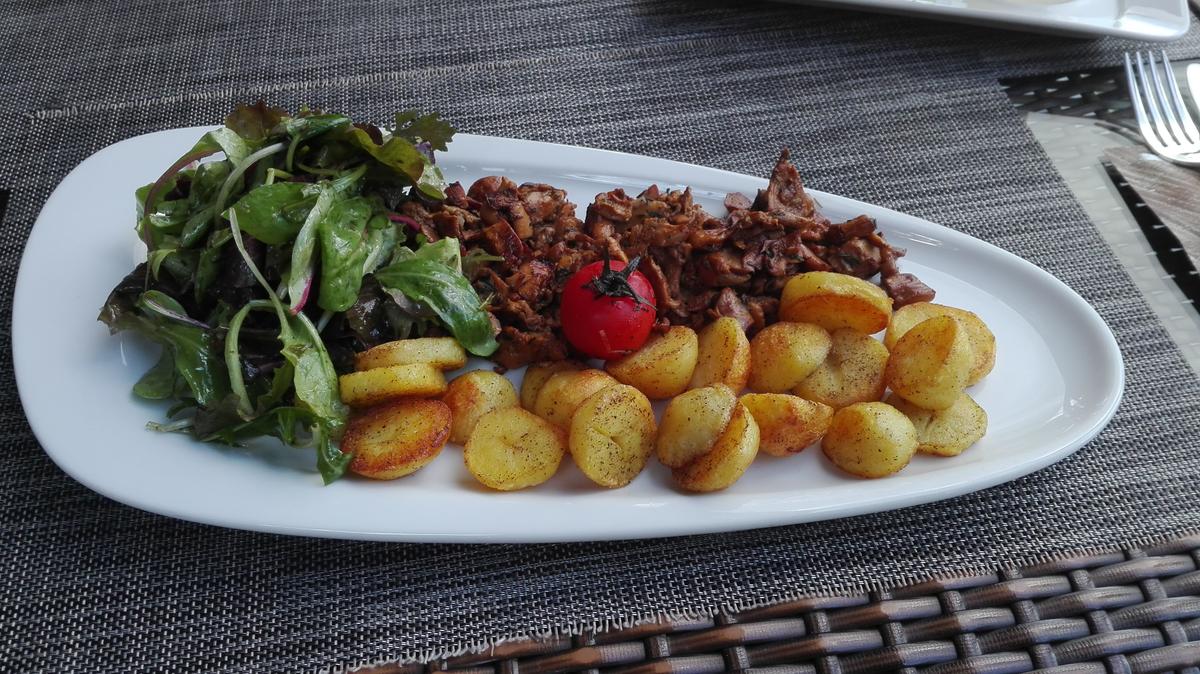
(1132, 612)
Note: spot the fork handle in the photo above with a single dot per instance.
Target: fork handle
(1193, 79)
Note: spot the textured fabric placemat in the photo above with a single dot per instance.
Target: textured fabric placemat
(900, 112)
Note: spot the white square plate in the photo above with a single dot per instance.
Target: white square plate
(1151, 20)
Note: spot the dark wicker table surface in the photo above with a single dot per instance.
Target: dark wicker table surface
(1135, 611)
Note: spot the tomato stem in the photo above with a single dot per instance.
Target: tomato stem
(616, 283)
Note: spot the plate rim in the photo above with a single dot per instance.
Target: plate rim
(1173, 29)
(1098, 329)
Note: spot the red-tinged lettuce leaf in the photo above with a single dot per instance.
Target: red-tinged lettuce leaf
(254, 122)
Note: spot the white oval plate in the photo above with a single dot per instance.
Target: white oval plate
(1057, 382)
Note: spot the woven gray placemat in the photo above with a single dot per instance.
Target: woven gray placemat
(900, 112)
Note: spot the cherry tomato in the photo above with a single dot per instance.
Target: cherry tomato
(607, 309)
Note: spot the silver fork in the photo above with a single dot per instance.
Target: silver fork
(1163, 118)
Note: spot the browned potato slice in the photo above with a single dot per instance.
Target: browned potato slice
(930, 363)
(834, 301)
(783, 354)
(692, 423)
(396, 438)
(945, 432)
(852, 372)
(983, 342)
(371, 387)
(512, 449)
(473, 395)
(536, 376)
(724, 355)
(663, 366)
(870, 440)
(786, 423)
(565, 391)
(612, 435)
(728, 459)
(444, 353)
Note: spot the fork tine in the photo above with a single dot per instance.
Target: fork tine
(1185, 117)
(1139, 108)
(1159, 100)
(1156, 118)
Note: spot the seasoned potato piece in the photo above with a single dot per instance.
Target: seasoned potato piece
(473, 395)
(835, 301)
(724, 355)
(663, 366)
(536, 376)
(692, 422)
(444, 353)
(612, 435)
(870, 440)
(371, 387)
(784, 354)
(930, 363)
(396, 438)
(565, 391)
(786, 423)
(728, 459)
(983, 342)
(945, 432)
(852, 372)
(512, 449)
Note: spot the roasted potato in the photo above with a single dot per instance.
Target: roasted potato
(930, 364)
(834, 301)
(730, 456)
(536, 376)
(724, 355)
(444, 353)
(396, 438)
(474, 394)
(512, 448)
(786, 423)
(565, 391)
(377, 385)
(612, 435)
(852, 372)
(664, 365)
(692, 422)
(945, 432)
(983, 342)
(783, 354)
(870, 440)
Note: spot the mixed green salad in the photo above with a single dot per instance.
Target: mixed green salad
(274, 252)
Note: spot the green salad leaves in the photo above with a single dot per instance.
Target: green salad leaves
(275, 251)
